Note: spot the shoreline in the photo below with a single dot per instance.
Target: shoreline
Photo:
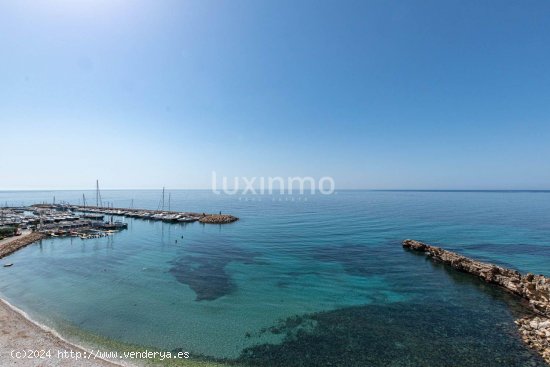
(19, 332)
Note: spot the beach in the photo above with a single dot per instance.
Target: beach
(20, 334)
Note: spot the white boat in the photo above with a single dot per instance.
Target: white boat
(187, 219)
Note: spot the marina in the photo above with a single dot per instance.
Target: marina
(57, 220)
(24, 225)
(85, 222)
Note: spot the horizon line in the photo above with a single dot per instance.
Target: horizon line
(277, 190)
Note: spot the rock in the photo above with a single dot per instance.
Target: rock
(537, 337)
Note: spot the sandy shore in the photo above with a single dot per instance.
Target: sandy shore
(20, 334)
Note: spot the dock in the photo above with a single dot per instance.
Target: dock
(158, 215)
(57, 221)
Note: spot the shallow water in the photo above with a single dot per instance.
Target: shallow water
(300, 280)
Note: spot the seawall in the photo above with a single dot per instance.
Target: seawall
(19, 242)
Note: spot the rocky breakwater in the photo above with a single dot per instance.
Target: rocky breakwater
(17, 243)
(535, 332)
(535, 329)
(218, 219)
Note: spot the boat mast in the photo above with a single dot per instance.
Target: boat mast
(98, 200)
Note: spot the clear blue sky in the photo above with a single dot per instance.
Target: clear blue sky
(377, 94)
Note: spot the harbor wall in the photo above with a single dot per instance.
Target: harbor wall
(19, 242)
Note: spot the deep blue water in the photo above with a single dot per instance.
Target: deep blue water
(299, 281)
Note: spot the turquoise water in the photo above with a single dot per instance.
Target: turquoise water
(299, 281)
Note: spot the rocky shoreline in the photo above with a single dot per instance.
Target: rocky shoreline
(18, 243)
(535, 330)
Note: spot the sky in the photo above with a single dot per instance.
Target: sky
(375, 94)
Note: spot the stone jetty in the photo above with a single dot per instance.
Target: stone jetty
(218, 219)
(535, 330)
(16, 243)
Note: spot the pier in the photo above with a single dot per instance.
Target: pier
(159, 215)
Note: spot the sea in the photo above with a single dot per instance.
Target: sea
(300, 280)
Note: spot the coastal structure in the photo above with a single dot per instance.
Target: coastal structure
(160, 215)
(534, 329)
(56, 220)
(42, 220)
(16, 243)
(163, 212)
